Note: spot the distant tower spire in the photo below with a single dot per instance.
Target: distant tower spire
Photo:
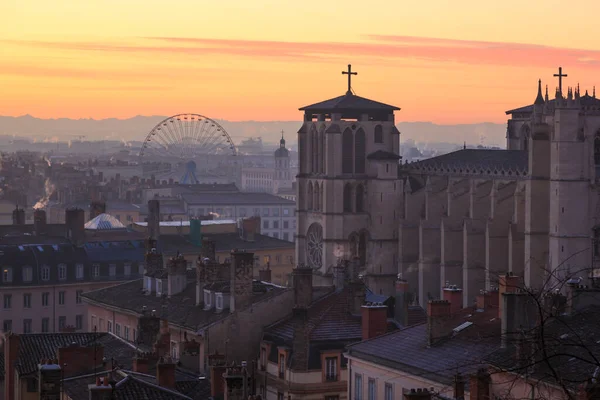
(539, 99)
(282, 141)
(465, 145)
(546, 97)
(594, 92)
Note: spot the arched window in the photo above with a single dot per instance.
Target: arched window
(525, 137)
(597, 149)
(348, 198)
(317, 200)
(360, 198)
(378, 137)
(322, 149)
(360, 143)
(347, 152)
(309, 196)
(315, 152)
(302, 153)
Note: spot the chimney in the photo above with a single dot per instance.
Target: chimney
(438, 314)
(162, 346)
(494, 298)
(76, 359)
(301, 338)
(236, 383)
(454, 296)
(153, 260)
(11, 354)
(250, 227)
(519, 314)
(49, 379)
(479, 386)
(339, 275)
(176, 275)
(402, 300)
(39, 221)
(508, 283)
(141, 363)
(165, 373)
(373, 320)
(241, 282)
(75, 225)
(303, 286)
(97, 207)
(483, 300)
(216, 363)
(101, 390)
(190, 355)
(264, 275)
(148, 328)
(154, 220)
(459, 387)
(196, 232)
(417, 394)
(18, 216)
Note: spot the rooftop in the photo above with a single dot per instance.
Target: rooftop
(236, 198)
(348, 102)
(187, 223)
(586, 101)
(224, 242)
(104, 222)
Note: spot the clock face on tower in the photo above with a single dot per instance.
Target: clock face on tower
(314, 246)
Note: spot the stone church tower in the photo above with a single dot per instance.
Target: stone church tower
(282, 178)
(348, 188)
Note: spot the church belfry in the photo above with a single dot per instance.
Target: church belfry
(347, 187)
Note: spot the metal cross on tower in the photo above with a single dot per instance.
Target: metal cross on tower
(349, 73)
(560, 75)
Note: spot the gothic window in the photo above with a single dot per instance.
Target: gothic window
(317, 200)
(359, 152)
(597, 149)
(314, 246)
(353, 244)
(302, 152)
(322, 147)
(309, 196)
(525, 137)
(360, 198)
(348, 198)
(347, 152)
(378, 134)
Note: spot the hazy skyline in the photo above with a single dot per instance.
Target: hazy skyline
(262, 60)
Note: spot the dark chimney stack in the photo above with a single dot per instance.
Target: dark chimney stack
(39, 221)
(165, 372)
(479, 386)
(459, 387)
(75, 224)
(454, 295)
(303, 286)
(438, 314)
(250, 227)
(373, 320)
(508, 283)
(401, 302)
(18, 216)
(217, 364)
(241, 282)
(264, 275)
(154, 220)
(97, 207)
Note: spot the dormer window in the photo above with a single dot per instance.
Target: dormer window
(45, 273)
(148, 284)
(62, 272)
(281, 366)
(219, 301)
(158, 287)
(27, 274)
(207, 300)
(331, 369)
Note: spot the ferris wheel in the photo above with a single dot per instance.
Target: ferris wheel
(186, 136)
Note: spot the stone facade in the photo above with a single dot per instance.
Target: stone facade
(460, 218)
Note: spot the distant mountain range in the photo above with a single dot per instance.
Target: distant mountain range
(136, 128)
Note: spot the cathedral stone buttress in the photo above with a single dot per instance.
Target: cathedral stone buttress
(348, 189)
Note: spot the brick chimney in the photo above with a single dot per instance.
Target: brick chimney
(18, 216)
(454, 295)
(162, 346)
(479, 386)
(241, 282)
(217, 365)
(101, 390)
(50, 377)
(519, 313)
(402, 300)
(508, 283)
(75, 225)
(165, 372)
(75, 359)
(438, 314)
(11, 354)
(373, 320)
(264, 275)
(154, 220)
(250, 227)
(176, 275)
(97, 207)
(148, 328)
(459, 387)
(190, 354)
(39, 221)
(236, 382)
(417, 394)
(483, 300)
(303, 286)
(141, 362)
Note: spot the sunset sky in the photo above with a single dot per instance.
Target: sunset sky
(443, 61)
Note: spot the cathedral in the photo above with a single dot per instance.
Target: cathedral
(462, 218)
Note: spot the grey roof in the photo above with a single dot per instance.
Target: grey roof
(475, 161)
(224, 242)
(104, 222)
(348, 102)
(239, 198)
(179, 309)
(383, 155)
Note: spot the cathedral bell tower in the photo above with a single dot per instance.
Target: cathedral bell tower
(348, 188)
(282, 177)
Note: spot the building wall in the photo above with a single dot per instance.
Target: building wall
(505, 385)
(258, 180)
(17, 313)
(398, 379)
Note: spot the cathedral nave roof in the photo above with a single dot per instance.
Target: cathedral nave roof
(348, 102)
